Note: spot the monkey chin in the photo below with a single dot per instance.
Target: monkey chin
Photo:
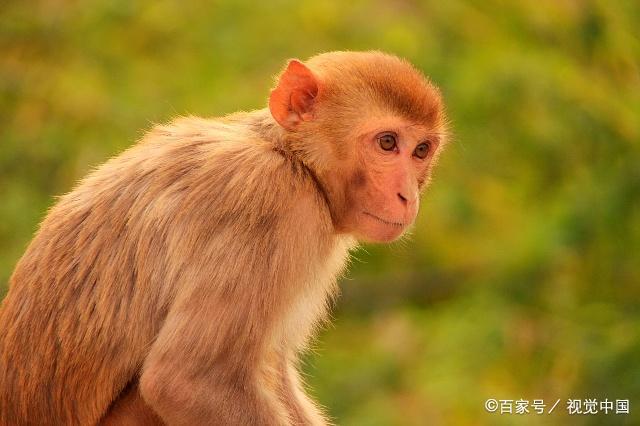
(376, 230)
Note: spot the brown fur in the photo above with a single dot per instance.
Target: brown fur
(179, 280)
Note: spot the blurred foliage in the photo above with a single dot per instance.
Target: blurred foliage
(521, 278)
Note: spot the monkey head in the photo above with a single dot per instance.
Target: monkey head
(369, 126)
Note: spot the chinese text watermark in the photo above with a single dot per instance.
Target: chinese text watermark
(588, 406)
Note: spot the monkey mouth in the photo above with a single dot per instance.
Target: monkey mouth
(386, 222)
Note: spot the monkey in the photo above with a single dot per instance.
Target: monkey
(179, 281)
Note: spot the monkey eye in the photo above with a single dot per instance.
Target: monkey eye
(422, 150)
(387, 141)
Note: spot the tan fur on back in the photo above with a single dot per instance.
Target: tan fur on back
(127, 238)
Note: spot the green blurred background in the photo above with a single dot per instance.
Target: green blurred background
(521, 278)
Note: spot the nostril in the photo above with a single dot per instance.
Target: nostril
(402, 198)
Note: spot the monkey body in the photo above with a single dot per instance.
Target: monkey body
(178, 282)
(103, 248)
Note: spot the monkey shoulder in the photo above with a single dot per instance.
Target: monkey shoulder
(232, 173)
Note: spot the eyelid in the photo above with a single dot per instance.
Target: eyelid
(430, 144)
(387, 132)
(433, 143)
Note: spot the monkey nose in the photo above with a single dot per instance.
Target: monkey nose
(406, 200)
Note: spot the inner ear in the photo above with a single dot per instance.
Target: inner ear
(293, 99)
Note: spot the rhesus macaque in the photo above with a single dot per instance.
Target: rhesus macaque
(177, 283)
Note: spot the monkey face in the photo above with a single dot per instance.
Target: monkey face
(392, 160)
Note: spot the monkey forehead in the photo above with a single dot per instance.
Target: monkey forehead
(351, 80)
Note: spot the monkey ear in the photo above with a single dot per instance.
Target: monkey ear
(291, 102)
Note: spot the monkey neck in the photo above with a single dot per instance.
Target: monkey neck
(262, 123)
(265, 126)
(286, 144)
